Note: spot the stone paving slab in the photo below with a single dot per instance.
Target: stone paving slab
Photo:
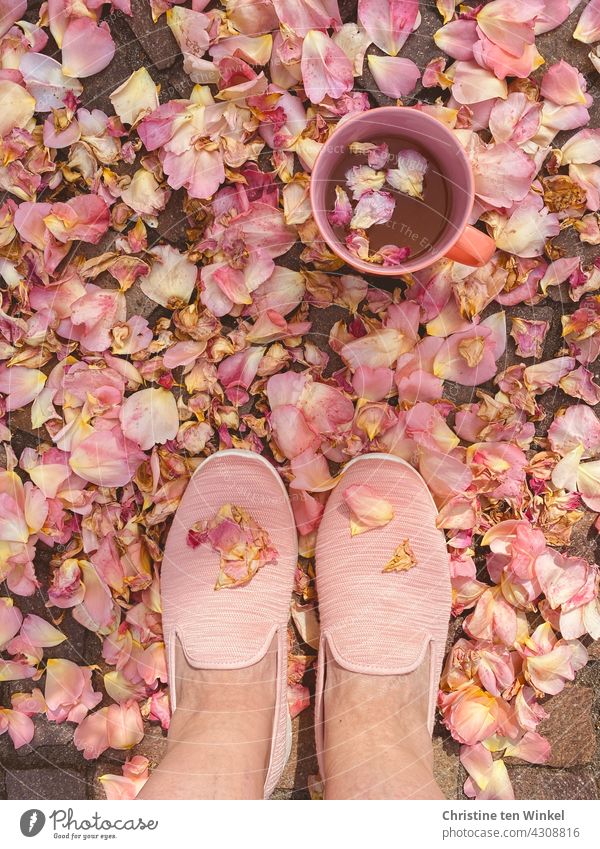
(570, 728)
(540, 782)
(46, 783)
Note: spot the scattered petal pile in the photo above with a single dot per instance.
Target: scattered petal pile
(131, 347)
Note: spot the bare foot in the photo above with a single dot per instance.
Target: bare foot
(376, 741)
(220, 733)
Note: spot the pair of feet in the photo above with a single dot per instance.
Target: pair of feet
(382, 638)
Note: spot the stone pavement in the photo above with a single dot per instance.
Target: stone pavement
(51, 767)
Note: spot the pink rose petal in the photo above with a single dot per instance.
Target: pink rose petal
(87, 47)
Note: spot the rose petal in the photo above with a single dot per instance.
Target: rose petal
(172, 278)
(136, 97)
(341, 213)
(402, 559)
(326, 70)
(87, 47)
(46, 81)
(106, 458)
(368, 509)
(388, 23)
(563, 84)
(394, 76)
(588, 26)
(149, 417)
(473, 84)
(372, 208)
(582, 148)
(18, 106)
(11, 11)
(10, 620)
(409, 173)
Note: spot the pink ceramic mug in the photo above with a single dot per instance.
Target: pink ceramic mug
(458, 241)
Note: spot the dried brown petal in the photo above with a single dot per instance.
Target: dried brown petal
(402, 559)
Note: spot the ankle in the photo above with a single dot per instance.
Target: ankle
(227, 690)
(376, 737)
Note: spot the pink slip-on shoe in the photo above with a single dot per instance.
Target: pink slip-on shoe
(376, 622)
(232, 627)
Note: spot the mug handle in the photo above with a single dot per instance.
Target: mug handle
(472, 247)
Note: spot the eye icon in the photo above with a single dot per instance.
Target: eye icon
(32, 822)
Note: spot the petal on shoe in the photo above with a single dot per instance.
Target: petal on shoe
(402, 559)
(368, 509)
